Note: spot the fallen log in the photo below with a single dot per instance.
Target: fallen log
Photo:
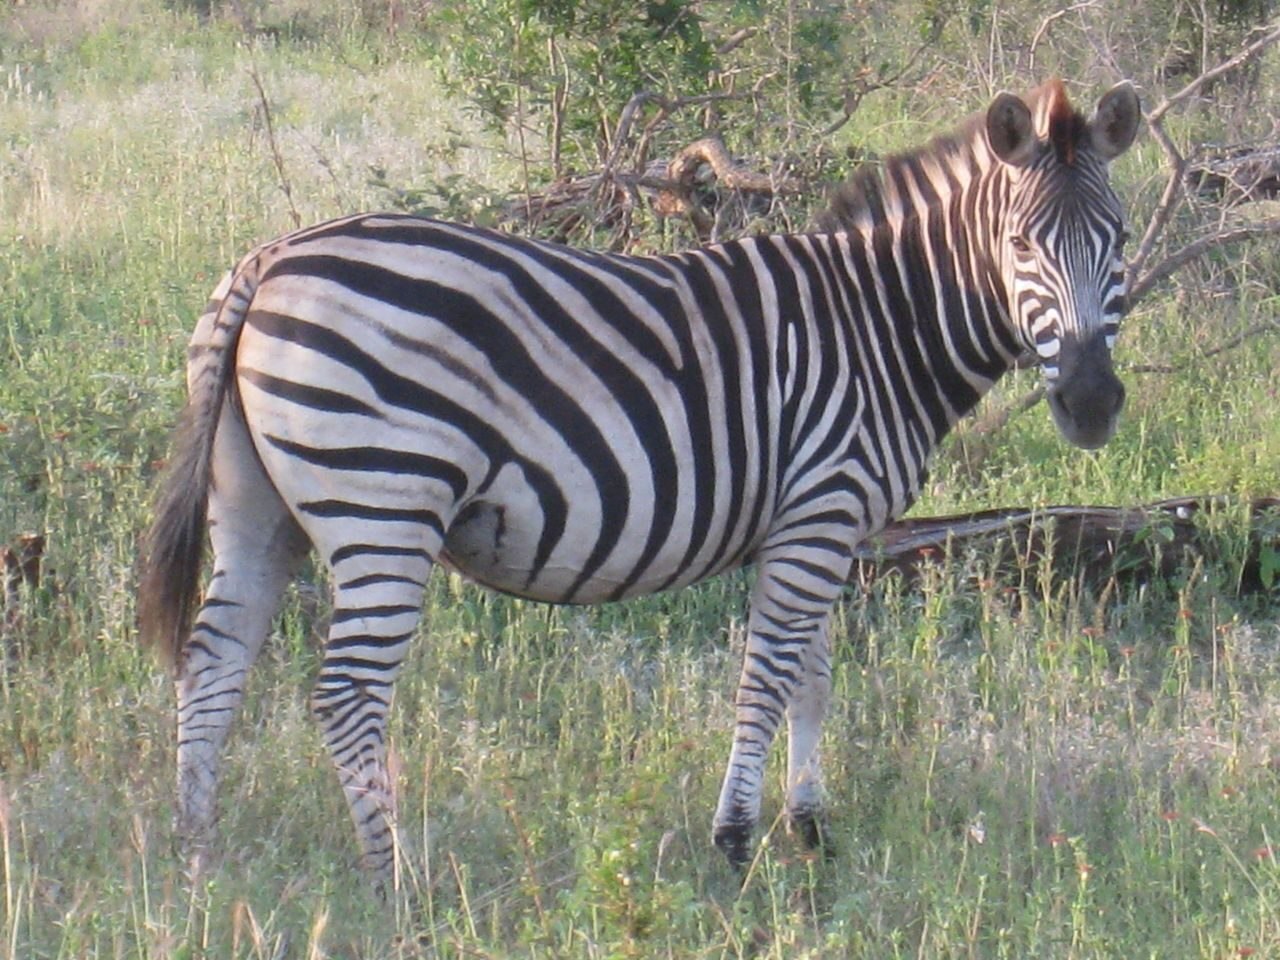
(1095, 544)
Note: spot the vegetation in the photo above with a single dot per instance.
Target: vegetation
(1018, 767)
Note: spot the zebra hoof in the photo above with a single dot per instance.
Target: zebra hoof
(734, 841)
(812, 828)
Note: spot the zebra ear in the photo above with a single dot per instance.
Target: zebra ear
(1115, 122)
(1010, 129)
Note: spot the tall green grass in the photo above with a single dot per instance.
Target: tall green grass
(1017, 767)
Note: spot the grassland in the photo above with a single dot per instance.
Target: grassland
(1017, 769)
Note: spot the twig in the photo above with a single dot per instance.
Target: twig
(276, 156)
(1046, 23)
(1262, 326)
(1225, 67)
(735, 40)
(860, 88)
(996, 419)
(666, 106)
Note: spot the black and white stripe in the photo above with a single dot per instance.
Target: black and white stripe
(578, 427)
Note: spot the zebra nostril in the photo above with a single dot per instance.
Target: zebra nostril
(1059, 405)
(1119, 398)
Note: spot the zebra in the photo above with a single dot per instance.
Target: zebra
(577, 427)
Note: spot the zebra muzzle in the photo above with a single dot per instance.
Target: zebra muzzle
(1087, 396)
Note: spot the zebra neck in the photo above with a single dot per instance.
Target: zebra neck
(927, 222)
(938, 304)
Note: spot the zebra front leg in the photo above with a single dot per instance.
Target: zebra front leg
(805, 714)
(375, 616)
(785, 659)
(786, 671)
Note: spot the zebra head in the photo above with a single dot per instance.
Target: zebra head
(1059, 240)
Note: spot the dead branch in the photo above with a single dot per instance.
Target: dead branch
(1048, 22)
(1237, 175)
(1094, 544)
(735, 40)
(666, 107)
(1240, 58)
(997, 418)
(696, 167)
(686, 186)
(1196, 249)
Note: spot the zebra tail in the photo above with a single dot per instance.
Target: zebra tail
(173, 549)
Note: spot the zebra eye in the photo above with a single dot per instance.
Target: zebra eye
(1019, 244)
(1121, 239)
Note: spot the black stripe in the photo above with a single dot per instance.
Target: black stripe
(506, 353)
(316, 398)
(376, 460)
(341, 509)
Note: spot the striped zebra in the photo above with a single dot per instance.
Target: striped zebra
(578, 427)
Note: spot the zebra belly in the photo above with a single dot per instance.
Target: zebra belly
(495, 543)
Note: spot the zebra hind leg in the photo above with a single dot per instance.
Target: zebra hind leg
(256, 546)
(377, 605)
(805, 713)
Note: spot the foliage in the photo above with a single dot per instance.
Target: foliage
(566, 68)
(577, 85)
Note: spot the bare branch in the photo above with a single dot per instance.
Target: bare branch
(1225, 67)
(1097, 545)
(998, 418)
(1168, 199)
(735, 40)
(1176, 162)
(1198, 248)
(666, 106)
(1047, 22)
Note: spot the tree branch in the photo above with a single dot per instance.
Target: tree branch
(1177, 163)
(1225, 67)
(1046, 23)
(1196, 249)
(666, 106)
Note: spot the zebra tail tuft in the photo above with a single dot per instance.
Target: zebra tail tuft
(173, 549)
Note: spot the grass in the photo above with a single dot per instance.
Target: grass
(1016, 769)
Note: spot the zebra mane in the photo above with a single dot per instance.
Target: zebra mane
(874, 192)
